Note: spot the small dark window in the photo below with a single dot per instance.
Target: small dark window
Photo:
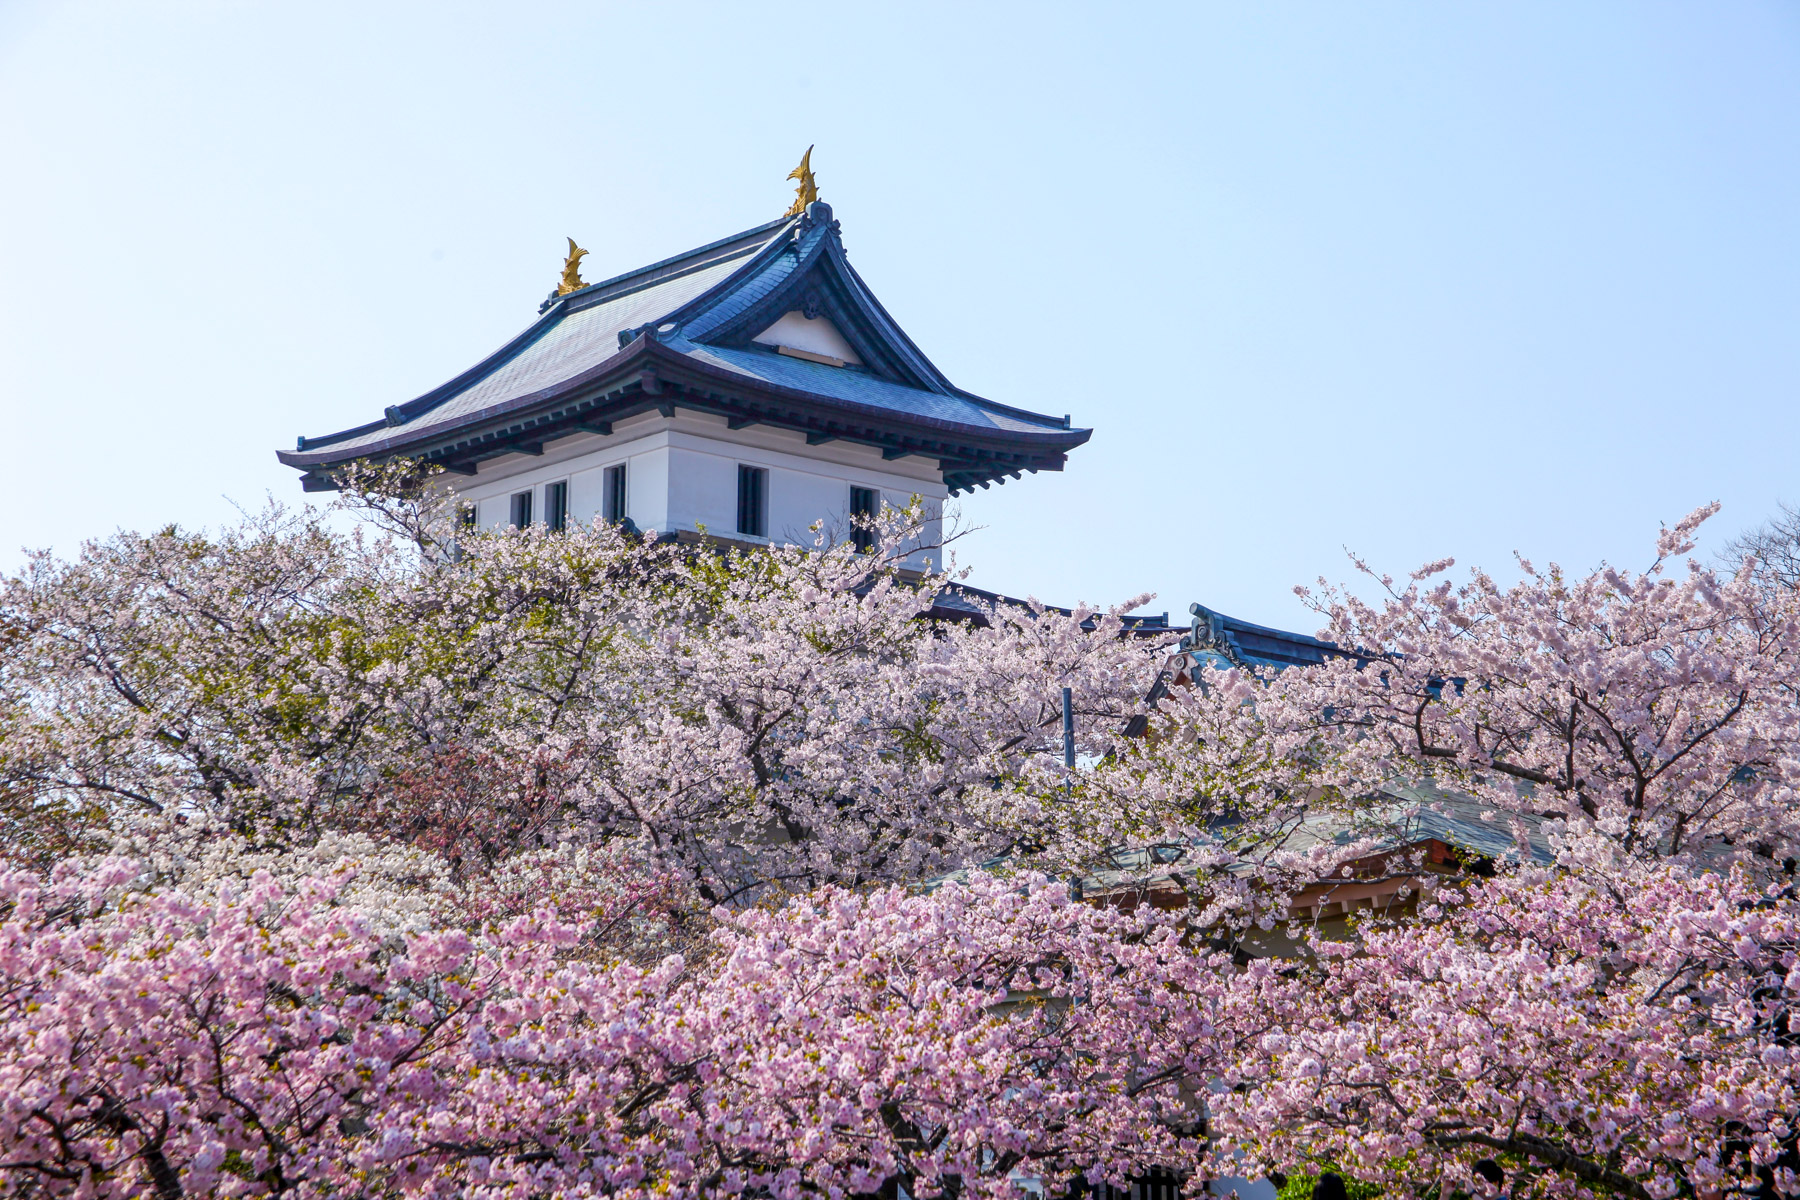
(865, 503)
(556, 504)
(466, 515)
(753, 501)
(614, 508)
(521, 509)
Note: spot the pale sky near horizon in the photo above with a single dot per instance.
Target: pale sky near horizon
(1416, 280)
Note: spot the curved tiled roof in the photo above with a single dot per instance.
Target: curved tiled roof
(863, 388)
(563, 346)
(706, 305)
(1229, 640)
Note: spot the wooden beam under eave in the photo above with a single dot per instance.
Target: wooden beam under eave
(741, 422)
(891, 455)
(819, 439)
(459, 468)
(589, 425)
(534, 448)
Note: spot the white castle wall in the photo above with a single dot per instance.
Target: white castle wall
(681, 475)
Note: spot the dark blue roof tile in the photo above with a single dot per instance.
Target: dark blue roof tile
(706, 305)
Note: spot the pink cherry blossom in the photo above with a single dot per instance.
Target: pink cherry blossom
(393, 859)
(271, 1041)
(1622, 1033)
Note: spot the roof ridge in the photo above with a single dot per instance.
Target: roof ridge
(573, 367)
(595, 293)
(867, 294)
(548, 316)
(818, 248)
(697, 307)
(1253, 627)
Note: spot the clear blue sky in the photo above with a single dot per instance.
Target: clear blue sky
(1413, 279)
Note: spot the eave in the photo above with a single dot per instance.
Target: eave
(646, 375)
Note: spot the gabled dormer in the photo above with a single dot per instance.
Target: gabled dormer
(802, 278)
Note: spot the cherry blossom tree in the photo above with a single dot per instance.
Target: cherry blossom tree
(1617, 1021)
(773, 716)
(1773, 549)
(399, 859)
(269, 1041)
(1625, 1030)
(1656, 709)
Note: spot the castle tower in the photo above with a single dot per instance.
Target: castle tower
(751, 387)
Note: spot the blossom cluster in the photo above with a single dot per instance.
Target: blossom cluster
(1656, 709)
(780, 717)
(403, 860)
(270, 1040)
(1625, 1033)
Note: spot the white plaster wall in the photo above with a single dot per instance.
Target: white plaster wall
(702, 490)
(581, 459)
(802, 332)
(647, 486)
(587, 491)
(681, 474)
(797, 499)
